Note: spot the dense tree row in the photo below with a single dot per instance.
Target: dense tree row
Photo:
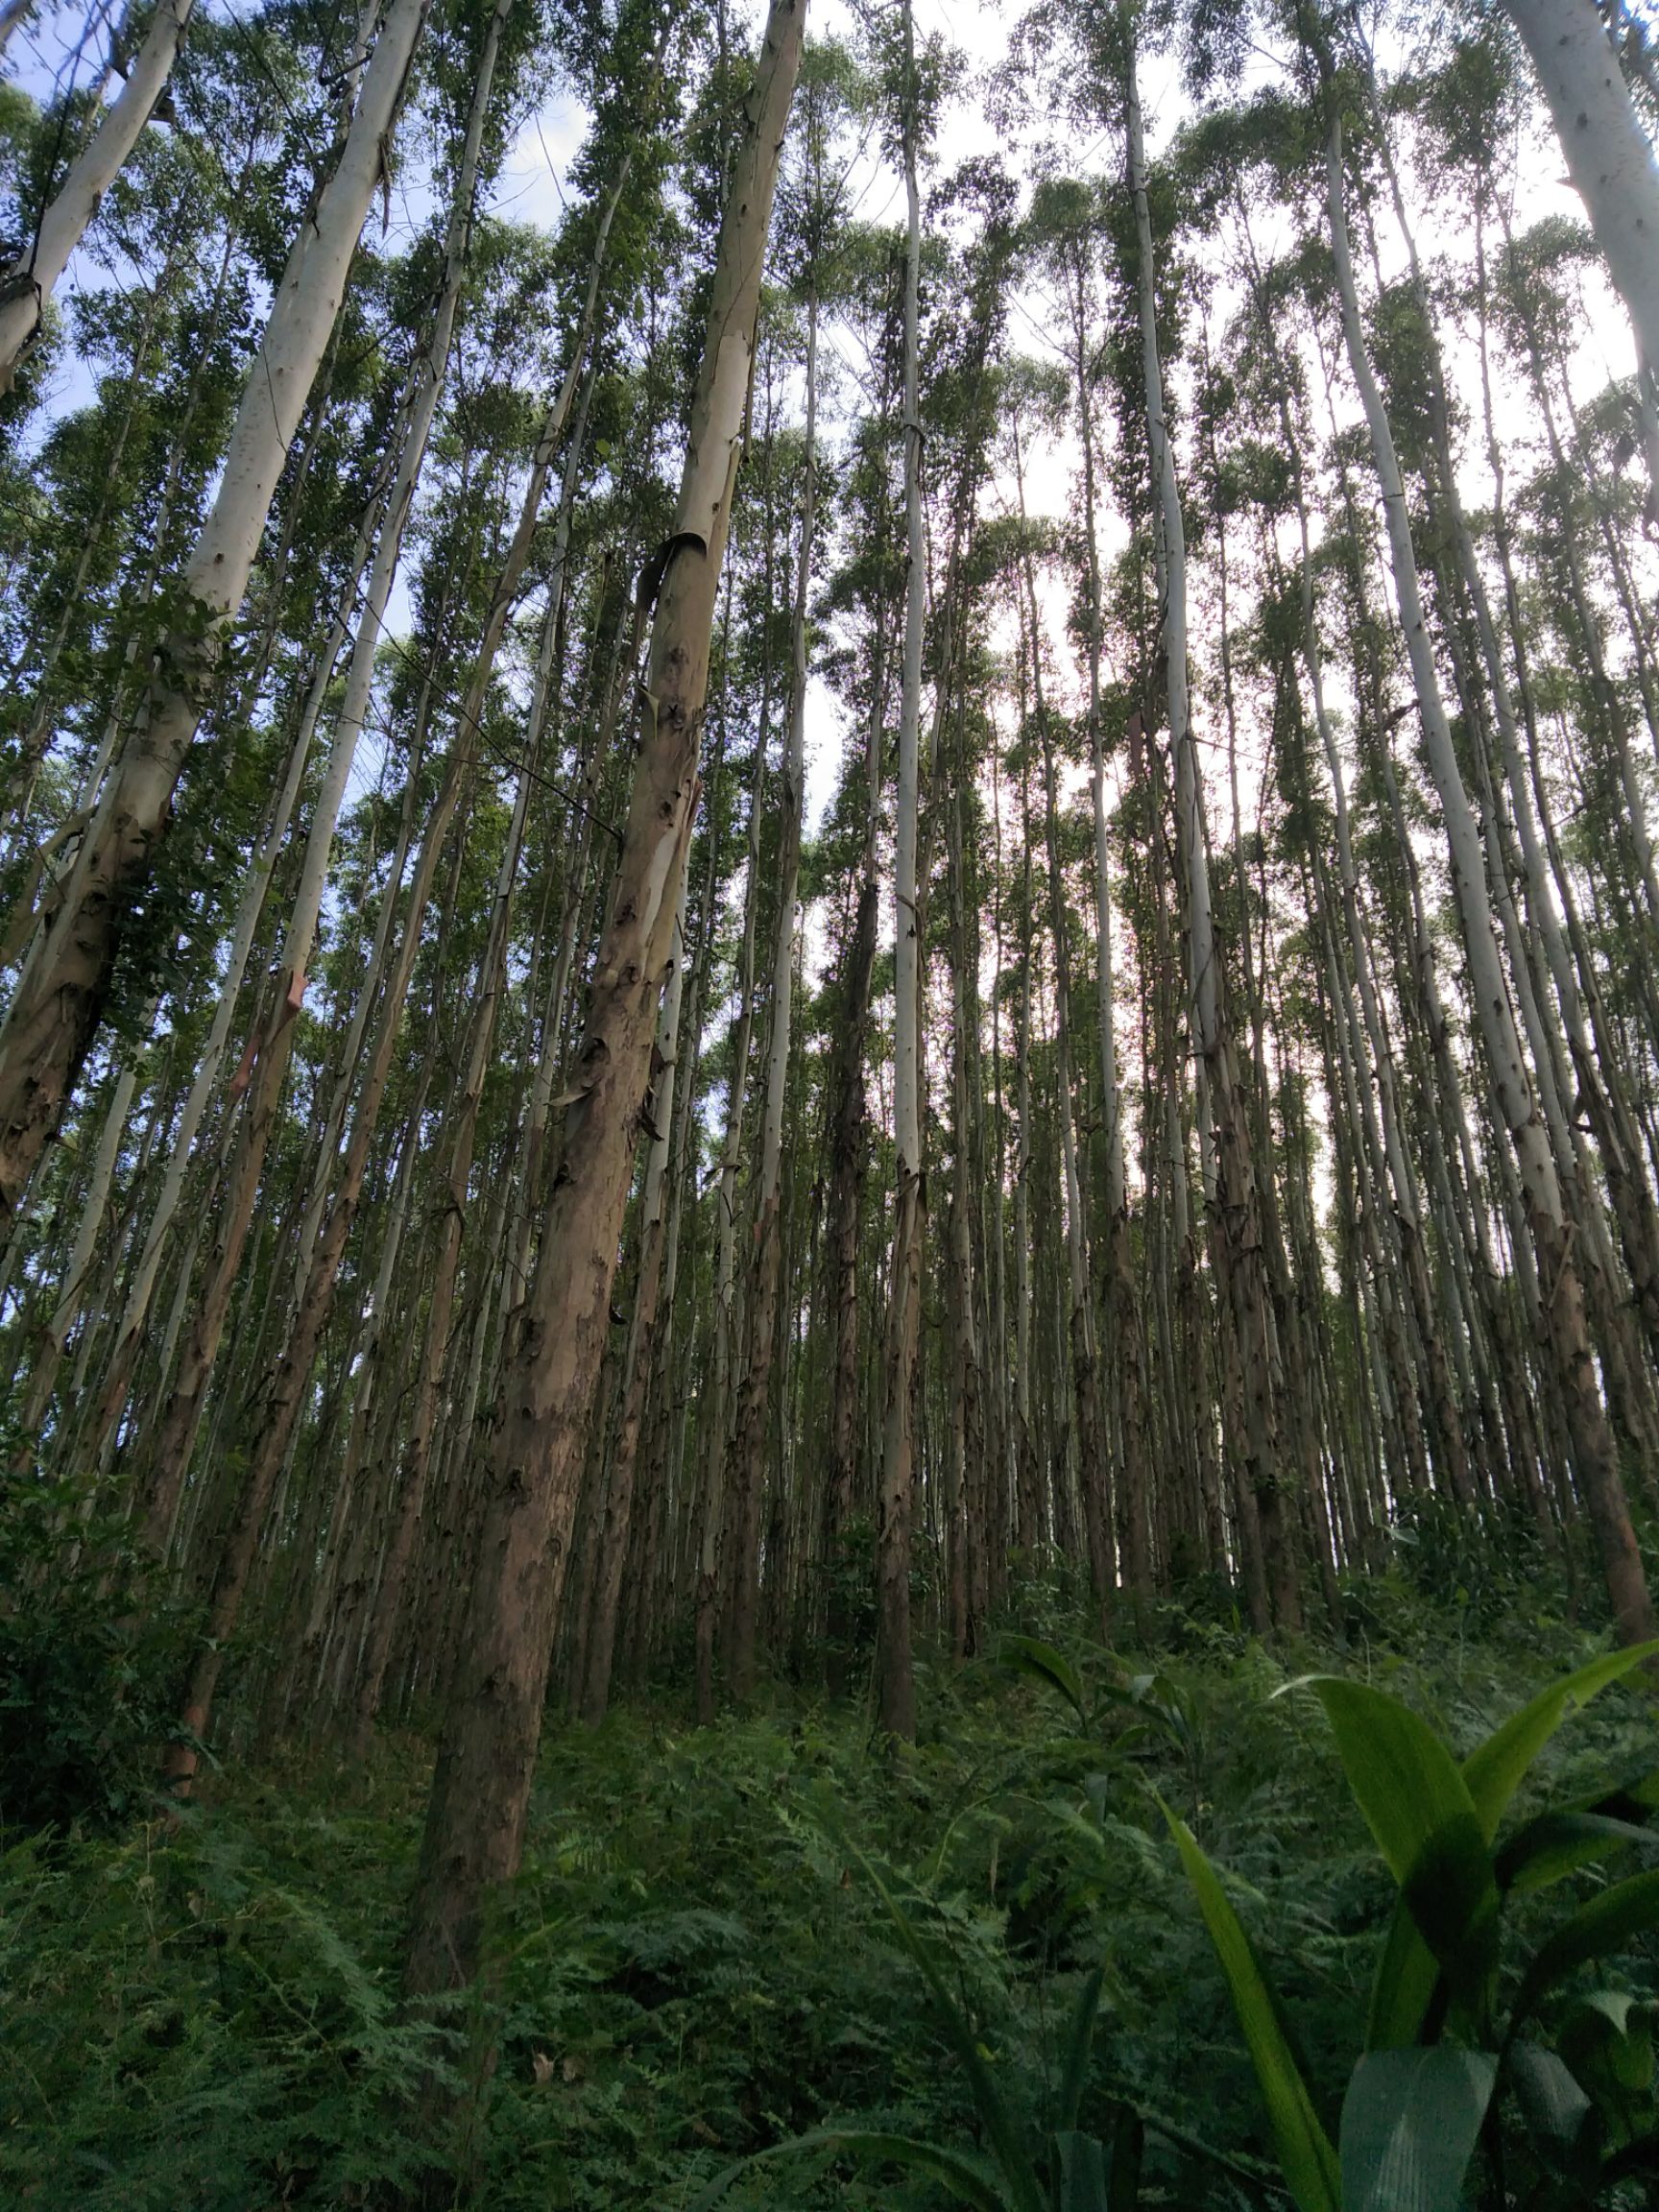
(498, 1199)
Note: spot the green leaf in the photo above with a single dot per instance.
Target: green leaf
(1082, 2174)
(1607, 1923)
(1030, 1656)
(1418, 1806)
(1608, 2040)
(1492, 1774)
(1496, 1770)
(1079, 2042)
(972, 2181)
(999, 2125)
(1555, 2104)
(1556, 1844)
(1405, 1985)
(1305, 2152)
(1410, 2121)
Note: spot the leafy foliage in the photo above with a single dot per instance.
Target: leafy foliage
(961, 1974)
(88, 1662)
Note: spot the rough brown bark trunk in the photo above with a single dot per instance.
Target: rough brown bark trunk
(492, 1728)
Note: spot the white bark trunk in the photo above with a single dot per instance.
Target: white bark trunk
(1608, 154)
(895, 1694)
(59, 996)
(33, 278)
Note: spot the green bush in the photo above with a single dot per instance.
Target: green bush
(90, 1663)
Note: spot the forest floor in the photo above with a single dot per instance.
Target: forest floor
(700, 1958)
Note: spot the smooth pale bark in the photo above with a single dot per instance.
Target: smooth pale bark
(1609, 157)
(725, 1320)
(527, 1197)
(1125, 1333)
(965, 1516)
(594, 1663)
(461, 1141)
(118, 1374)
(1596, 1062)
(33, 278)
(747, 1457)
(739, 1524)
(1233, 1199)
(1093, 1471)
(895, 1679)
(72, 1283)
(60, 997)
(1030, 1530)
(323, 1244)
(849, 1157)
(1562, 1309)
(493, 1723)
(270, 1044)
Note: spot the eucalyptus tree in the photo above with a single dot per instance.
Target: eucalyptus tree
(487, 1749)
(895, 1680)
(811, 214)
(30, 281)
(59, 996)
(1609, 154)
(266, 1057)
(1563, 1316)
(1233, 1193)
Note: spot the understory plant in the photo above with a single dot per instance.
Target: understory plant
(1500, 2065)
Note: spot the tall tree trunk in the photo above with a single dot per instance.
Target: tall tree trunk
(592, 1664)
(492, 1723)
(895, 1679)
(33, 278)
(747, 1457)
(1233, 1203)
(60, 995)
(1608, 154)
(723, 1319)
(272, 1041)
(1563, 1318)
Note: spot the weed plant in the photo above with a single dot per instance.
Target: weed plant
(701, 1958)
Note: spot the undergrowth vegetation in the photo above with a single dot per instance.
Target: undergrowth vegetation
(727, 1938)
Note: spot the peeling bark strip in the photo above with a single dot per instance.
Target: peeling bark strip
(59, 999)
(492, 1723)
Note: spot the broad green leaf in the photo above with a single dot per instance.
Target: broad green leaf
(1556, 1844)
(1405, 1985)
(1496, 1770)
(973, 2182)
(1410, 2121)
(1612, 2008)
(1079, 2042)
(1305, 2152)
(1608, 2040)
(1555, 2104)
(1406, 1973)
(1418, 1807)
(1082, 2172)
(1607, 1923)
(1404, 1780)
(1029, 1655)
